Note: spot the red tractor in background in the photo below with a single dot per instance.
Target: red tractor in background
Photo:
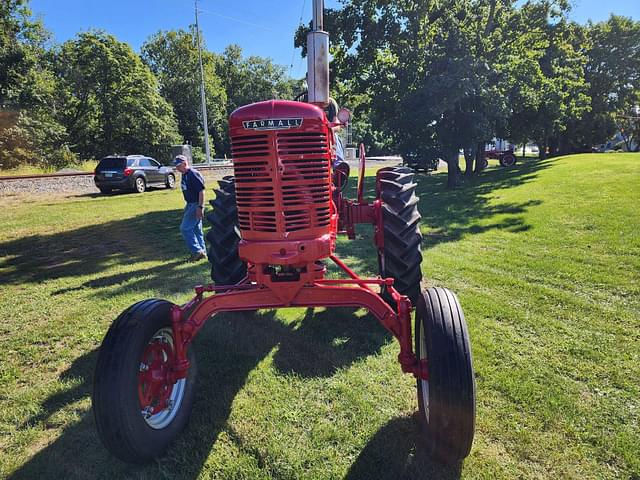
(502, 151)
(274, 225)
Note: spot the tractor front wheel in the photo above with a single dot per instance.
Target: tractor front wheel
(401, 257)
(224, 236)
(138, 410)
(447, 399)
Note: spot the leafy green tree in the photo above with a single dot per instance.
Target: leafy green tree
(29, 131)
(423, 69)
(613, 74)
(173, 58)
(109, 100)
(252, 79)
(17, 34)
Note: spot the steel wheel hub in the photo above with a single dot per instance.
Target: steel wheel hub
(159, 398)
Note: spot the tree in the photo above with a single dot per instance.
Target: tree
(109, 100)
(423, 68)
(173, 58)
(252, 79)
(29, 131)
(613, 74)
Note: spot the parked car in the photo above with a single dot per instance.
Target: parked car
(132, 172)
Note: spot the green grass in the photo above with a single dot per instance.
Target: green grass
(86, 166)
(545, 258)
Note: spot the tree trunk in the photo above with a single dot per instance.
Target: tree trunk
(453, 168)
(479, 157)
(468, 162)
(626, 140)
(552, 145)
(524, 146)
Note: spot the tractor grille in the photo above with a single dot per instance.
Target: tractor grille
(304, 180)
(282, 182)
(254, 188)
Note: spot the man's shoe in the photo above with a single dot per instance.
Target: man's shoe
(196, 257)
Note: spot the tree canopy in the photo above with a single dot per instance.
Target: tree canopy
(425, 79)
(109, 100)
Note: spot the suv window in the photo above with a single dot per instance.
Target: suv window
(130, 162)
(112, 163)
(145, 162)
(154, 163)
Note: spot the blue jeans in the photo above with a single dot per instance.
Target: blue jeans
(191, 229)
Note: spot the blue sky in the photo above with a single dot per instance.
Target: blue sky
(260, 27)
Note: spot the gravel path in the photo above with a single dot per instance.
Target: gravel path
(76, 185)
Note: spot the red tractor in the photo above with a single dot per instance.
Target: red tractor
(504, 155)
(274, 225)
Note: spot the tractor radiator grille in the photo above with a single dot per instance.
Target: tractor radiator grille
(254, 186)
(282, 182)
(305, 180)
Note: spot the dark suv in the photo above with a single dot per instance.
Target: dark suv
(132, 172)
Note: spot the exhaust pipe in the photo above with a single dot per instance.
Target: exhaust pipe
(318, 58)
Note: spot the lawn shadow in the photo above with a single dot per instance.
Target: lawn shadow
(228, 348)
(449, 215)
(394, 453)
(92, 249)
(231, 346)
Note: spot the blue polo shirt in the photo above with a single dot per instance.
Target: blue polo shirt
(192, 184)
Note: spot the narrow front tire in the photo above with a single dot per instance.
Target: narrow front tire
(137, 410)
(447, 399)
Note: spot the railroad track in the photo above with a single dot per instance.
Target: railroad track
(85, 174)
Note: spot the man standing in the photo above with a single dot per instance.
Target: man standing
(193, 191)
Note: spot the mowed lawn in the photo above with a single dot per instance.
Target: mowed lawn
(545, 258)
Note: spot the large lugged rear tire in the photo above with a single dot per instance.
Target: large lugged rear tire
(447, 400)
(508, 160)
(224, 236)
(401, 258)
(138, 413)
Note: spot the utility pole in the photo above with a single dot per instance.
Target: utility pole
(205, 124)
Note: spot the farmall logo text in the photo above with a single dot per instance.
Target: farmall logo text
(273, 124)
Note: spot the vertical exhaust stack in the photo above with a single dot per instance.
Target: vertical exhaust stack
(318, 58)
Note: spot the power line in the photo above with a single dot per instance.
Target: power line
(238, 20)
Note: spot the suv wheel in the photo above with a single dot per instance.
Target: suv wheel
(170, 181)
(140, 185)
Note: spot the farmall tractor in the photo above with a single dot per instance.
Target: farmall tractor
(274, 227)
(501, 151)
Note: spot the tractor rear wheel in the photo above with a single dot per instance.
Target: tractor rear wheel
(138, 411)
(447, 400)
(401, 257)
(508, 160)
(224, 236)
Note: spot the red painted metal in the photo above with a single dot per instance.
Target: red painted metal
(282, 176)
(289, 215)
(320, 293)
(156, 377)
(497, 154)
